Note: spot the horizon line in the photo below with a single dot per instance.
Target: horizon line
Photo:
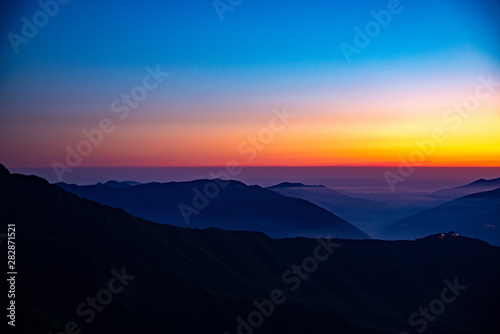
(268, 166)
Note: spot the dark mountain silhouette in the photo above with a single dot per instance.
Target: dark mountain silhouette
(123, 184)
(476, 215)
(484, 183)
(229, 205)
(468, 189)
(368, 215)
(191, 281)
(409, 203)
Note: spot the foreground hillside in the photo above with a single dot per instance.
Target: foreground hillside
(84, 266)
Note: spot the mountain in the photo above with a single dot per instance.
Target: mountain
(484, 183)
(123, 184)
(87, 267)
(367, 215)
(468, 189)
(476, 215)
(230, 205)
(409, 203)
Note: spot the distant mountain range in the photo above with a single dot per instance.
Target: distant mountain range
(179, 280)
(409, 203)
(468, 189)
(294, 209)
(368, 215)
(235, 206)
(118, 185)
(476, 215)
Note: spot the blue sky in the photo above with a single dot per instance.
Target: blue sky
(262, 55)
(114, 34)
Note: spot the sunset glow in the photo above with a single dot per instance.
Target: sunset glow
(368, 112)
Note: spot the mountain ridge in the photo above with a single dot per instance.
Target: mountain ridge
(477, 215)
(191, 280)
(368, 215)
(235, 206)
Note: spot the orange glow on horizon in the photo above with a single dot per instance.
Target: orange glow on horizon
(324, 136)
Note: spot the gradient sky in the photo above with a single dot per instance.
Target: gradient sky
(226, 78)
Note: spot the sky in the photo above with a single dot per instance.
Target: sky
(281, 83)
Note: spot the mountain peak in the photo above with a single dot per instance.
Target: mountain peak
(442, 236)
(481, 182)
(229, 205)
(451, 236)
(3, 170)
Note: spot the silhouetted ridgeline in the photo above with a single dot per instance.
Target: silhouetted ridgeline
(367, 215)
(235, 206)
(177, 280)
(476, 215)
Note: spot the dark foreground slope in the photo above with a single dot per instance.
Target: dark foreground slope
(230, 205)
(201, 281)
(476, 215)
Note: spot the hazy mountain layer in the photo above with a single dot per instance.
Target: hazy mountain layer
(228, 205)
(476, 215)
(368, 215)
